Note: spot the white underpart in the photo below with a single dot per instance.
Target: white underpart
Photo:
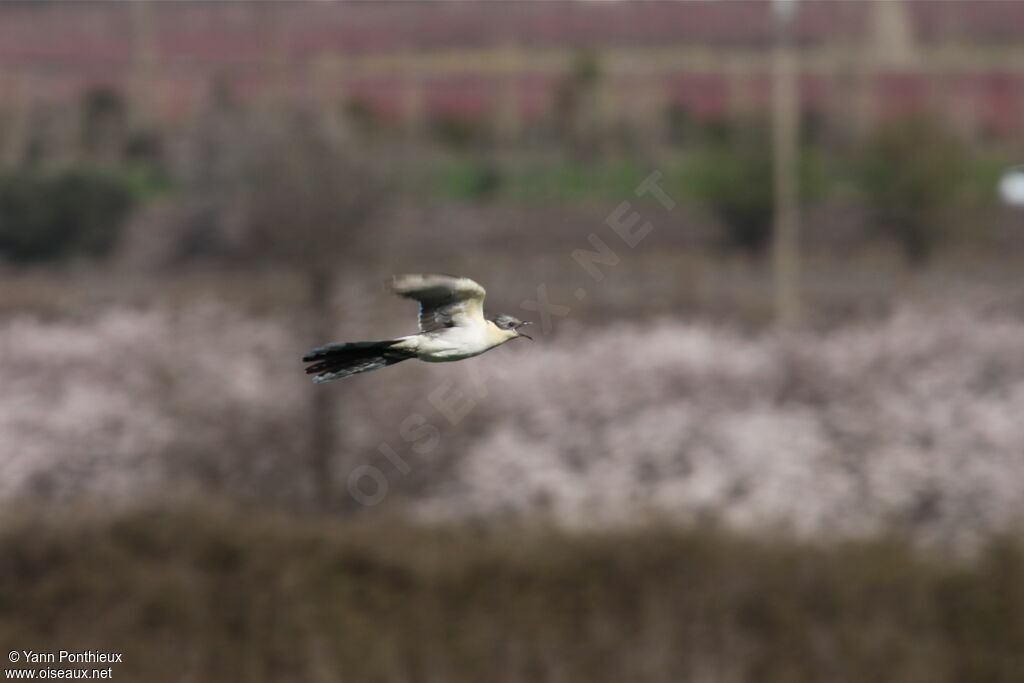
(456, 343)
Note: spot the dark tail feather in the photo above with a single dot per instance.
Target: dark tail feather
(337, 361)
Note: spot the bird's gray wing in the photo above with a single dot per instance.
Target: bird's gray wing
(445, 300)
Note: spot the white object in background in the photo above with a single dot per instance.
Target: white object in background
(1011, 186)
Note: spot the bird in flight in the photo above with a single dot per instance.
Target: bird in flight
(452, 327)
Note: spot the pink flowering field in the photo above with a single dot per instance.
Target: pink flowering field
(912, 423)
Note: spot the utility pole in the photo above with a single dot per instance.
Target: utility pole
(785, 165)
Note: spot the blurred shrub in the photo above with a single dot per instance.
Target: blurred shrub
(736, 185)
(737, 188)
(471, 179)
(577, 110)
(684, 127)
(910, 175)
(457, 131)
(572, 184)
(310, 193)
(146, 148)
(108, 138)
(366, 120)
(104, 124)
(49, 217)
(679, 123)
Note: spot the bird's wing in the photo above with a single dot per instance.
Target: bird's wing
(445, 300)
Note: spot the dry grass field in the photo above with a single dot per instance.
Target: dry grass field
(209, 595)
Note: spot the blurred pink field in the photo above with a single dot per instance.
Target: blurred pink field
(910, 423)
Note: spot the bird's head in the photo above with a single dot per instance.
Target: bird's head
(510, 325)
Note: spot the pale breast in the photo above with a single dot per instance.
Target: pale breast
(453, 343)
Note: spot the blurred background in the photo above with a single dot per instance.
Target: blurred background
(771, 425)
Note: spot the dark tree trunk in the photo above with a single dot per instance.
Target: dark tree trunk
(323, 400)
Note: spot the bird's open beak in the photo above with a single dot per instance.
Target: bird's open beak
(524, 335)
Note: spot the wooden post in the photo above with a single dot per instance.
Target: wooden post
(786, 160)
(323, 408)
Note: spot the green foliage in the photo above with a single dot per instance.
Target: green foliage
(737, 188)
(302, 599)
(50, 217)
(455, 131)
(471, 180)
(736, 185)
(911, 173)
(586, 68)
